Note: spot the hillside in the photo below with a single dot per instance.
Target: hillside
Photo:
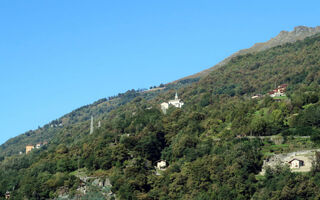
(83, 114)
(205, 143)
(299, 33)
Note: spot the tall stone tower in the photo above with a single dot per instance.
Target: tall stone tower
(91, 125)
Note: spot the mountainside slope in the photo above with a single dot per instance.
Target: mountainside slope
(98, 110)
(203, 143)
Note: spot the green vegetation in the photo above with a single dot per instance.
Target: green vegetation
(287, 144)
(203, 143)
(281, 98)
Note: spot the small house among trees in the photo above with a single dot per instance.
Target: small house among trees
(161, 165)
(7, 195)
(296, 163)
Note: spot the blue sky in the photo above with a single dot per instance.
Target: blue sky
(58, 55)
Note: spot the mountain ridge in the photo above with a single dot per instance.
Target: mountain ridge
(298, 33)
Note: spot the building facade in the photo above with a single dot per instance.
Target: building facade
(295, 163)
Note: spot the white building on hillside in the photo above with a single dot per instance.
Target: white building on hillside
(176, 102)
(161, 165)
(164, 106)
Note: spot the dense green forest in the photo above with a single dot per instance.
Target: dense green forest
(204, 142)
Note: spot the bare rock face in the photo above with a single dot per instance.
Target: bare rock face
(299, 33)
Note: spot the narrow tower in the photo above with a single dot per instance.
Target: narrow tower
(91, 125)
(176, 97)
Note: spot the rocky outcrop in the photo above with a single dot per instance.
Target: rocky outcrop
(299, 33)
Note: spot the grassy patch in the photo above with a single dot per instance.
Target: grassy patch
(281, 97)
(290, 144)
(81, 172)
(260, 177)
(307, 106)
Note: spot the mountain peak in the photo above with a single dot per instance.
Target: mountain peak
(303, 29)
(298, 33)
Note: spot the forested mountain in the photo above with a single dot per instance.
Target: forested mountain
(204, 143)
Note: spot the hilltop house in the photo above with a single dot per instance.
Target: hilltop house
(176, 102)
(296, 163)
(279, 91)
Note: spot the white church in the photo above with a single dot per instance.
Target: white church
(176, 103)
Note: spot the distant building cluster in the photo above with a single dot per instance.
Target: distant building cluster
(176, 102)
(37, 146)
(279, 91)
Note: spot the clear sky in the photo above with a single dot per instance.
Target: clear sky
(58, 55)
